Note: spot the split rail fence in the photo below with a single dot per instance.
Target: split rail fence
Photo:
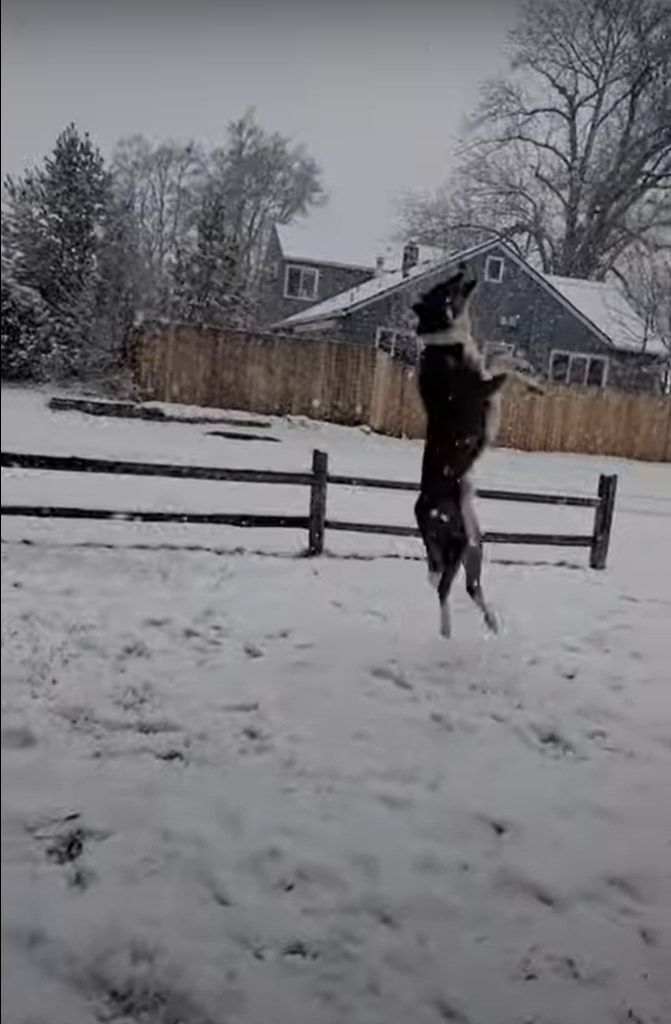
(316, 521)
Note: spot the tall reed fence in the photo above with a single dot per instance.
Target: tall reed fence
(352, 384)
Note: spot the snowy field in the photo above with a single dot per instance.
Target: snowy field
(244, 788)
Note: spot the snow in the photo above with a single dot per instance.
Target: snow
(607, 308)
(252, 789)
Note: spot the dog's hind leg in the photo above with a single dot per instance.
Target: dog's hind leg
(444, 586)
(473, 567)
(425, 517)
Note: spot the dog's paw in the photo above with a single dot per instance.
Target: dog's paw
(491, 620)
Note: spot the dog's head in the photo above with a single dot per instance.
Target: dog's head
(444, 304)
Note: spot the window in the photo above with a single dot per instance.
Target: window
(301, 282)
(498, 348)
(596, 373)
(509, 321)
(494, 269)
(402, 345)
(559, 364)
(384, 340)
(578, 368)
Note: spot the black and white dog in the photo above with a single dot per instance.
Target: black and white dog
(461, 404)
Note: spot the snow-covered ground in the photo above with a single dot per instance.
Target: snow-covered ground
(242, 788)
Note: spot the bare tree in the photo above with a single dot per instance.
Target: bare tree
(569, 154)
(159, 184)
(645, 275)
(254, 180)
(203, 219)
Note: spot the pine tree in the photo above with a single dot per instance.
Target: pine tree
(51, 236)
(207, 286)
(24, 330)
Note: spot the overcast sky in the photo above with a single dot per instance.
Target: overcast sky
(376, 89)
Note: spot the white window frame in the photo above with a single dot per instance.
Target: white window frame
(396, 335)
(579, 355)
(311, 270)
(499, 348)
(488, 263)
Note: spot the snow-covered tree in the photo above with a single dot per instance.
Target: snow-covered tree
(24, 330)
(203, 219)
(645, 277)
(119, 280)
(160, 185)
(207, 282)
(263, 178)
(51, 233)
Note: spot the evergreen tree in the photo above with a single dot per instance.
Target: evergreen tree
(52, 231)
(24, 330)
(209, 287)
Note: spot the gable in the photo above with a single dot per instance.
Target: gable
(607, 308)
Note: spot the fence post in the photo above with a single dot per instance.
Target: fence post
(317, 514)
(603, 521)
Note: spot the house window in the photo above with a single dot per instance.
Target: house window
(301, 282)
(400, 345)
(498, 348)
(494, 269)
(578, 368)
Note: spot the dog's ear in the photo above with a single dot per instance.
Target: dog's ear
(494, 384)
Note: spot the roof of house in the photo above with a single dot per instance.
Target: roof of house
(600, 305)
(351, 299)
(607, 308)
(297, 243)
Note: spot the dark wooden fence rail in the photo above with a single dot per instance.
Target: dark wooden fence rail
(316, 521)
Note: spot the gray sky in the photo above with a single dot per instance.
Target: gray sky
(376, 88)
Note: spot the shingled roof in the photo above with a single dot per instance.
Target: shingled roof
(598, 304)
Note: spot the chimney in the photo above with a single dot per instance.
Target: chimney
(410, 257)
(379, 266)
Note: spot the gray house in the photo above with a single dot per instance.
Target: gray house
(569, 331)
(293, 280)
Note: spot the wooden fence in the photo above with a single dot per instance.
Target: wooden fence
(345, 383)
(315, 522)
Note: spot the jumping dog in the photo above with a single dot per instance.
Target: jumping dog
(461, 404)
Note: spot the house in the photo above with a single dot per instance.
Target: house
(569, 331)
(292, 279)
